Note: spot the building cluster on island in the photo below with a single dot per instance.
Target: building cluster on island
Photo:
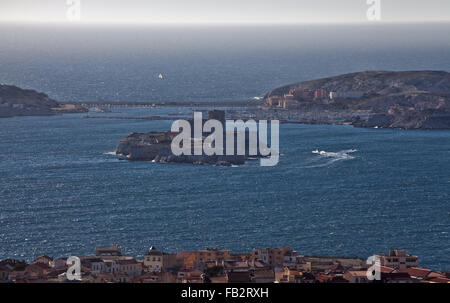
(295, 96)
(268, 265)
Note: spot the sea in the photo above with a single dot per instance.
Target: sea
(337, 191)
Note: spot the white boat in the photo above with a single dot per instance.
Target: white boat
(160, 76)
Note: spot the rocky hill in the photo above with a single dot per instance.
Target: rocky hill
(15, 101)
(409, 99)
(377, 82)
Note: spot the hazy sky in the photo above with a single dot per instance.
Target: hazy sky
(225, 11)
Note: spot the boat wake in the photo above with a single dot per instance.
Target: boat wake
(328, 158)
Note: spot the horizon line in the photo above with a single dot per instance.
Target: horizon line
(143, 23)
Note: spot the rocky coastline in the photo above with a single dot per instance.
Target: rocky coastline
(15, 101)
(156, 147)
(376, 99)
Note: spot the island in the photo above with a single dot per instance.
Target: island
(377, 99)
(156, 147)
(15, 101)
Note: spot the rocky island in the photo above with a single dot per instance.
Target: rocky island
(383, 99)
(15, 101)
(156, 147)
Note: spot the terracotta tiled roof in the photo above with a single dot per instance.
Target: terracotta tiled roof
(336, 268)
(396, 276)
(416, 272)
(218, 279)
(434, 274)
(357, 273)
(386, 270)
(322, 278)
(149, 276)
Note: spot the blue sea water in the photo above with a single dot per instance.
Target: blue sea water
(63, 193)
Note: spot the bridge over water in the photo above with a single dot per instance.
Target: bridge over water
(109, 104)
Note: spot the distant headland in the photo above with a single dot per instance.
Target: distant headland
(380, 99)
(15, 101)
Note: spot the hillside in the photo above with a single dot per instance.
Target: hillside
(15, 101)
(377, 82)
(409, 99)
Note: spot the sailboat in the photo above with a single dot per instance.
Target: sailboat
(160, 76)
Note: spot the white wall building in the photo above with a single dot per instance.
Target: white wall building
(346, 95)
